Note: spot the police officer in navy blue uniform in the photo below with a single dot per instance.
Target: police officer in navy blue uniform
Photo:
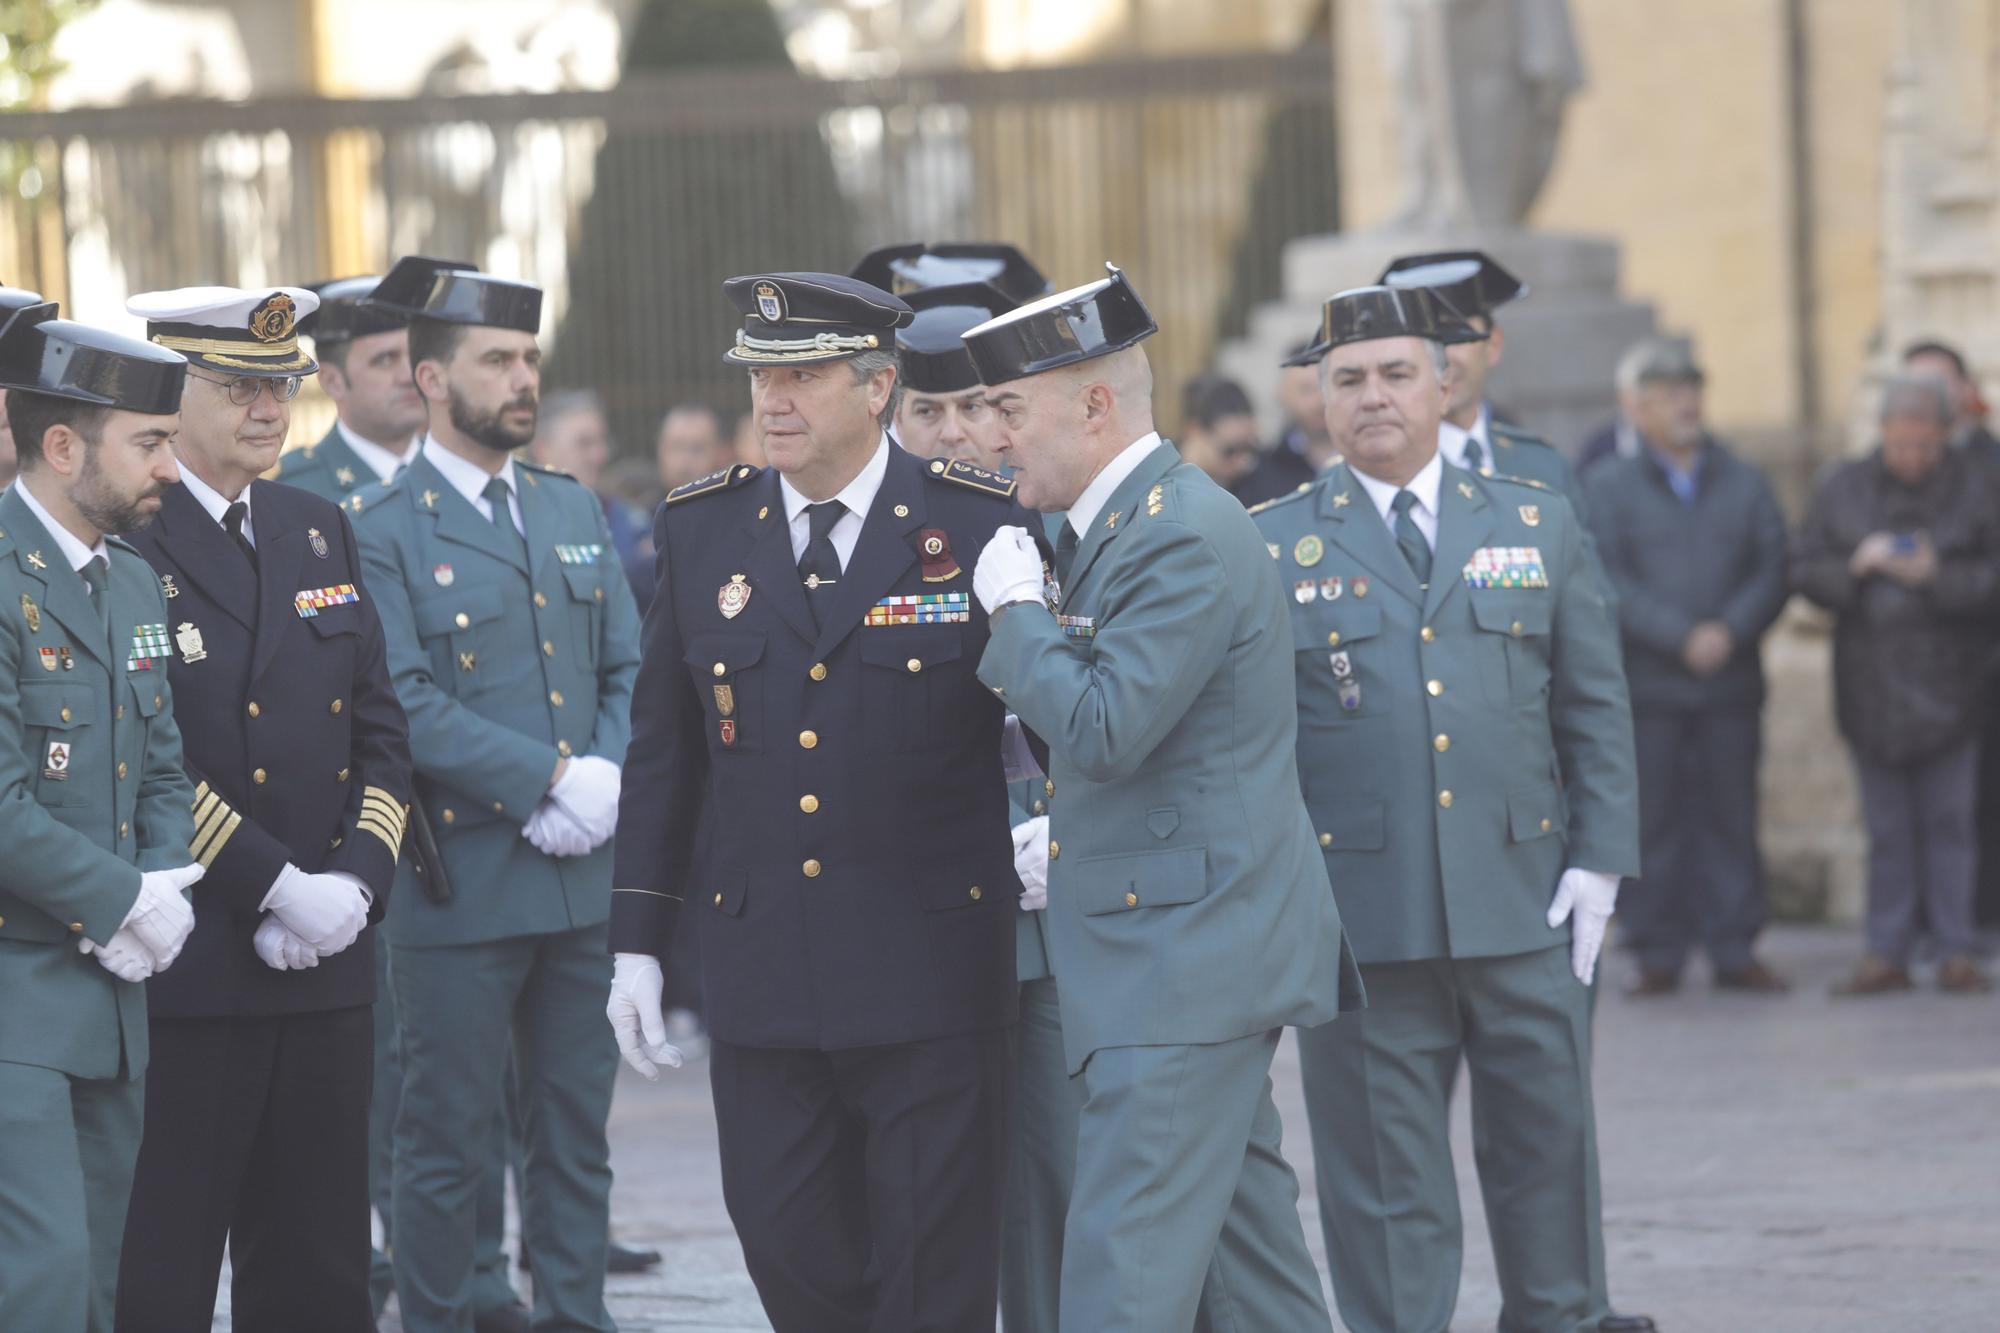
(257, 1100)
(808, 679)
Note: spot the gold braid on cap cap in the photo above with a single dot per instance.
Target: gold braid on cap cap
(218, 350)
(819, 342)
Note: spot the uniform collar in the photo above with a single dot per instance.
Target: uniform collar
(212, 500)
(1084, 512)
(381, 461)
(464, 476)
(67, 542)
(1451, 438)
(1425, 486)
(857, 495)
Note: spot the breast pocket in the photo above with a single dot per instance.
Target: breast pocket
(908, 686)
(585, 584)
(1140, 881)
(61, 725)
(460, 631)
(1342, 667)
(1513, 643)
(730, 677)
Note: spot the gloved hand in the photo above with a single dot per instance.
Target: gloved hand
(1591, 898)
(554, 831)
(280, 948)
(1031, 862)
(122, 956)
(1009, 569)
(161, 918)
(588, 790)
(327, 911)
(635, 1015)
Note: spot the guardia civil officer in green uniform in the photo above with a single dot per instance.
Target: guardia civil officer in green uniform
(1179, 852)
(97, 813)
(513, 642)
(1473, 286)
(1465, 744)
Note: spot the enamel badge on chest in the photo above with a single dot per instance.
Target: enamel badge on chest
(187, 638)
(733, 596)
(317, 542)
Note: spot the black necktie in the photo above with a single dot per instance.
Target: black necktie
(819, 567)
(503, 515)
(232, 522)
(97, 576)
(1066, 541)
(1409, 540)
(1475, 457)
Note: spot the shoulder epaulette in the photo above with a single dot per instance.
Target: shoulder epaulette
(1513, 480)
(727, 479)
(966, 474)
(121, 544)
(368, 496)
(1286, 498)
(1505, 434)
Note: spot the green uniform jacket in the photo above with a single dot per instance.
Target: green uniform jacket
(1460, 748)
(91, 793)
(1180, 854)
(329, 469)
(1516, 453)
(501, 672)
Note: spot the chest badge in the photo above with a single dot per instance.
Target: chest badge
(1361, 587)
(442, 576)
(725, 700)
(168, 587)
(934, 550)
(31, 613)
(732, 597)
(49, 658)
(187, 638)
(1304, 591)
(68, 662)
(1309, 550)
(1330, 589)
(55, 768)
(726, 729)
(1531, 515)
(317, 542)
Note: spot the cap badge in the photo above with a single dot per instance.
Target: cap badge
(274, 317)
(770, 303)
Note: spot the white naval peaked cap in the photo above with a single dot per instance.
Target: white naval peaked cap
(231, 330)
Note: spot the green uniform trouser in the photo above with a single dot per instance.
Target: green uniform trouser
(1184, 1208)
(1041, 1166)
(67, 1151)
(458, 1008)
(1378, 1087)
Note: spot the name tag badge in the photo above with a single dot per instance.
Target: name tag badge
(55, 767)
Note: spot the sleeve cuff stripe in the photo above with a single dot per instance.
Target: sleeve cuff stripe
(206, 855)
(376, 812)
(376, 822)
(210, 818)
(375, 799)
(393, 844)
(200, 792)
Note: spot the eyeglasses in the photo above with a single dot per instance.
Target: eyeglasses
(243, 389)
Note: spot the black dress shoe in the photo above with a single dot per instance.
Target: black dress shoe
(621, 1259)
(510, 1318)
(1626, 1323)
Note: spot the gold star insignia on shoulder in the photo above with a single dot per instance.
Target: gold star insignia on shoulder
(1112, 522)
(1465, 489)
(344, 475)
(353, 502)
(1342, 500)
(1153, 502)
(430, 499)
(35, 559)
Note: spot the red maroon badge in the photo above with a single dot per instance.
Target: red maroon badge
(728, 729)
(934, 549)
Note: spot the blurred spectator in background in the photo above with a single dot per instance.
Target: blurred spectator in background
(1903, 546)
(634, 483)
(691, 444)
(573, 435)
(1694, 544)
(1968, 407)
(1303, 451)
(1659, 390)
(746, 444)
(1218, 429)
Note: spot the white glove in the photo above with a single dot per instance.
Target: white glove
(1591, 897)
(635, 1015)
(1031, 862)
(588, 790)
(123, 957)
(1009, 569)
(555, 832)
(327, 911)
(161, 918)
(280, 948)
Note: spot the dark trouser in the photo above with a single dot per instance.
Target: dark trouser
(257, 1134)
(865, 1184)
(1698, 839)
(1922, 848)
(1987, 909)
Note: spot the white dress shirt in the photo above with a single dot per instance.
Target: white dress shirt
(384, 463)
(469, 480)
(74, 551)
(215, 502)
(1425, 486)
(1098, 493)
(857, 495)
(1451, 442)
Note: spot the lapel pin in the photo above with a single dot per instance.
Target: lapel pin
(318, 542)
(1342, 500)
(167, 586)
(35, 559)
(763, 512)
(345, 476)
(32, 613)
(1112, 522)
(430, 499)
(1465, 489)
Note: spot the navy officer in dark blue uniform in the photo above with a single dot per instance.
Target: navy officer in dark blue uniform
(808, 678)
(257, 1100)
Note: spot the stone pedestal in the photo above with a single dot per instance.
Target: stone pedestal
(1563, 339)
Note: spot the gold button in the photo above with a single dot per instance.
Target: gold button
(65, 715)
(718, 900)
(812, 869)
(499, 809)
(562, 748)
(335, 706)
(121, 712)
(541, 600)
(1326, 840)
(1434, 687)
(156, 701)
(1049, 788)
(1333, 639)
(1442, 743)
(257, 776)
(255, 711)
(1547, 825)
(548, 648)
(975, 893)
(719, 670)
(448, 816)
(818, 671)
(1427, 634)
(121, 769)
(808, 739)
(555, 697)
(3, 920)
(76, 927)
(809, 803)
(914, 664)
(597, 593)
(1040, 808)
(1131, 900)
(124, 830)
(1444, 799)
(1055, 849)
(341, 776)
(462, 620)
(1515, 629)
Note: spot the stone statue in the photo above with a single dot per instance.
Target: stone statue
(1480, 87)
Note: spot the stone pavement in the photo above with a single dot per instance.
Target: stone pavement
(1797, 1165)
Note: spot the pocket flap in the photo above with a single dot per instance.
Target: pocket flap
(1536, 812)
(147, 696)
(1514, 612)
(1316, 626)
(334, 620)
(58, 706)
(1136, 880)
(896, 646)
(951, 887)
(1356, 824)
(727, 892)
(731, 652)
(584, 581)
(459, 609)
